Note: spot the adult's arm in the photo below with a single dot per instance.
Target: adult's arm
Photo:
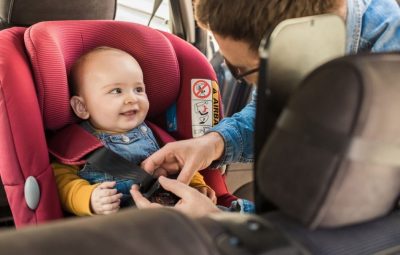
(230, 141)
(238, 135)
(185, 157)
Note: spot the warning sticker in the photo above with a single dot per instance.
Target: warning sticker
(201, 89)
(215, 97)
(205, 106)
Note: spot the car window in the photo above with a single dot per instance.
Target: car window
(140, 12)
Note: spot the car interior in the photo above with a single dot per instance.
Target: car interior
(326, 176)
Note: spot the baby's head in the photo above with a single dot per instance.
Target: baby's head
(108, 90)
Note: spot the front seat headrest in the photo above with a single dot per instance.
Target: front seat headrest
(29, 12)
(333, 158)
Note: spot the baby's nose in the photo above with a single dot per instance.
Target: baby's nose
(130, 98)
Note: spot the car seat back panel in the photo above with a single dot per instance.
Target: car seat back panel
(341, 135)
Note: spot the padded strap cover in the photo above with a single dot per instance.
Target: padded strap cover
(71, 143)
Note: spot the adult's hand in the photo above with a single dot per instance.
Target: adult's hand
(207, 191)
(192, 202)
(187, 156)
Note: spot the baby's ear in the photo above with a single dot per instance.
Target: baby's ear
(79, 107)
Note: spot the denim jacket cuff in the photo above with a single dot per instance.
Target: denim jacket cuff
(231, 143)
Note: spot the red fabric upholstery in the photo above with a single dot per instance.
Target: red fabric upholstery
(23, 150)
(193, 64)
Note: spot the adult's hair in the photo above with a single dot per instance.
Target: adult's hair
(249, 20)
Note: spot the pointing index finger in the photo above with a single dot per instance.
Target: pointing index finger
(153, 162)
(178, 188)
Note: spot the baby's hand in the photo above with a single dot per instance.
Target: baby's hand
(104, 199)
(207, 191)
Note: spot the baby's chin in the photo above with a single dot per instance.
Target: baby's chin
(120, 130)
(115, 130)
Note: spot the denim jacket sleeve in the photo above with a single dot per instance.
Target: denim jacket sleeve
(238, 134)
(382, 26)
(373, 26)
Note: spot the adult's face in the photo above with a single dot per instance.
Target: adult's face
(240, 56)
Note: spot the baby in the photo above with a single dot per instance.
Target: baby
(109, 95)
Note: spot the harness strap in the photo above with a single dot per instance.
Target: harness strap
(105, 160)
(73, 145)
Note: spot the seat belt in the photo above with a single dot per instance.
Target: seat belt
(156, 5)
(107, 161)
(88, 149)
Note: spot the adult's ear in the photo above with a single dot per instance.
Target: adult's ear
(79, 107)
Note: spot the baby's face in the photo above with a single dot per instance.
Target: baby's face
(111, 85)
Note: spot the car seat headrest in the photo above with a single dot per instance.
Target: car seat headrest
(333, 158)
(29, 12)
(54, 46)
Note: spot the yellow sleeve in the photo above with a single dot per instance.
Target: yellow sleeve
(74, 191)
(198, 181)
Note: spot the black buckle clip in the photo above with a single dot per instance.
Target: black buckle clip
(148, 189)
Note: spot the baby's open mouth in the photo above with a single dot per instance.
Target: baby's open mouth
(129, 113)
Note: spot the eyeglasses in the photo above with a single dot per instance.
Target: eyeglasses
(237, 73)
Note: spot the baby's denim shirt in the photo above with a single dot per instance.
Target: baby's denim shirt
(135, 145)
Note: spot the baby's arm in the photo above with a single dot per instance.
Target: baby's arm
(198, 183)
(75, 193)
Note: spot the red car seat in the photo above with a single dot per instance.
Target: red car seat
(32, 105)
(23, 145)
(26, 13)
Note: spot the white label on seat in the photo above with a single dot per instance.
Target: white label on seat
(202, 106)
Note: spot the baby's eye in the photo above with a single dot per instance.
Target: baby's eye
(116, 91)
(139, 89)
